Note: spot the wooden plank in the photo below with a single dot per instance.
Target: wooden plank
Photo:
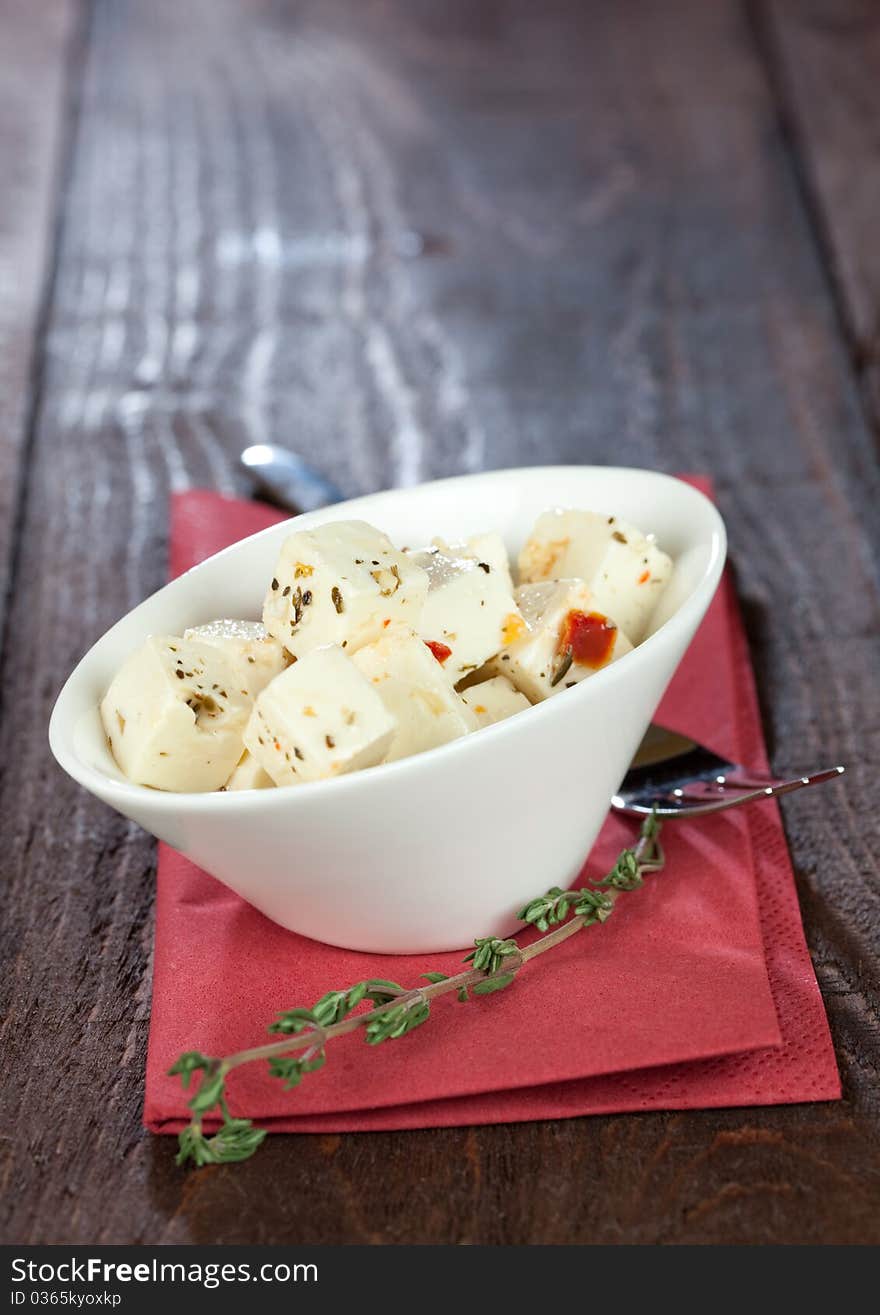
(418, 239)
(35, 44)
(824, 56)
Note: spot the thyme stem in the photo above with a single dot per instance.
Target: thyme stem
(397, 1009)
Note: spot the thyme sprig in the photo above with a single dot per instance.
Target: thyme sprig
(396, 1010)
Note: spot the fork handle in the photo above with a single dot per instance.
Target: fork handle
(732, 783)
(723, 798)
(738, 784)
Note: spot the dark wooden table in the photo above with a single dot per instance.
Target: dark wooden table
(417, 238)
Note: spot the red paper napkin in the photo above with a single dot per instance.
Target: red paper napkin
(698, 992)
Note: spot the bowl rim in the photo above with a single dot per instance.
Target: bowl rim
(125, 794)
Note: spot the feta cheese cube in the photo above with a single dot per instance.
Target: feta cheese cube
(249, 775)
(256, 657)
(174, 715)
(416, 691)
(565, 640)
(487, 548)
(339, 584)
(319, 718)
(625, 571)
(494, 700)
(469, 613)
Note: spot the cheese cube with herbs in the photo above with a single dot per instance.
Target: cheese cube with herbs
(469, 613)
(565, 639)
(249, 775)
(416, 691)
(494, 700)
(256, 657)
(174, 715)
(367, 653)
(340, 583)
(624, 569)
(488, 547)
(320, 718)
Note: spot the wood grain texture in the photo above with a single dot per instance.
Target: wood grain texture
(35, 42)
(824, 57)
(415, 239)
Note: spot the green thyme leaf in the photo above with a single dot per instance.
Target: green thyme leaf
(382, 992)
(490, 953)
(193, 1146)
(496, 983)
(625, 875)
(187, 1064)
(593, 906)
(293, 1020)
(291, 1070)
(396, 1022)
(332, 1008)
(236, 1140)
(209, 1093)
(547, 910)
(336, 1005)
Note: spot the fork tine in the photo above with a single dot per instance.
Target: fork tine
(735, 801)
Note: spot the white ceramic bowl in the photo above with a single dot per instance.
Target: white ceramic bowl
(429, 852)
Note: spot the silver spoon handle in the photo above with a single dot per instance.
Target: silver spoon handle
(288, 480)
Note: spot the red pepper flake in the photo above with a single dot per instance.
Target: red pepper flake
(589, 637)
(386, 622)
(644, 577)
(441, 651)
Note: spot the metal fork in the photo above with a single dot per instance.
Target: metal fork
(677, 777)
(671, 775)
